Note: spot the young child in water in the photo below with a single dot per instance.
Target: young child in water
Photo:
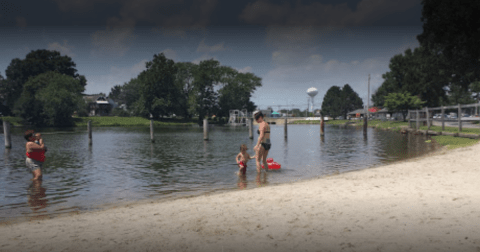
(38, 136)
(242, 159)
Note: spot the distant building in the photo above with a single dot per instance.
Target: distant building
(99, 105)
(267, 112)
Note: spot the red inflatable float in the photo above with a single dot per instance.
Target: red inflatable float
(272, 165)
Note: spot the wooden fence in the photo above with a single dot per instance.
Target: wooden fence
(427, 116)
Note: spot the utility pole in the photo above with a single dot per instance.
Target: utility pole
(368, 97)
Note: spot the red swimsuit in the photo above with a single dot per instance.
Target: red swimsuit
(37, 155)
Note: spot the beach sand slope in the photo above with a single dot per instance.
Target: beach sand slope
(425, 204)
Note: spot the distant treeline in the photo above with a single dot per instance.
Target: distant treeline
(45, 89)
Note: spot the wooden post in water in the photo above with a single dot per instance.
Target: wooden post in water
(6, 132)
(322, 125)
(205, 129)
(459, 118)
(365, 122)
(409, 120)
(443, 118)
(417, 120)
(89, 128)
(428, 121)
(250, 128)
(285, 127)
(151, 130)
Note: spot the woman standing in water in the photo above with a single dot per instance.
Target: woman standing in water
(263, 144)
(35, 154)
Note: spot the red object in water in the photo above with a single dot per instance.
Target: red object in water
(272, 165)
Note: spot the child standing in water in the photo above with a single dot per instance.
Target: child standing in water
(242, 159)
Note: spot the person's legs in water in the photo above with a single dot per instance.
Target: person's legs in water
(37, 174)
(258, 159)
(35, 167)
(264, 156)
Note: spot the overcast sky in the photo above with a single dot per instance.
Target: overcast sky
(292, 44)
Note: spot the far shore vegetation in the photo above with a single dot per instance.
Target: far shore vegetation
(113, 121)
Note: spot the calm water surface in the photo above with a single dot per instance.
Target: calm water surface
(123, 166)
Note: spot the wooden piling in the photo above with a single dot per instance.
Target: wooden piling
(443, 119)
(205, 129)
(417, 120)
(89, 128)
(409, 120)
(8, 137)
(428, 121)
(322, 126)
(365, 123)
(459, 118)
(151, 131)
(285, 127)
(250, 128)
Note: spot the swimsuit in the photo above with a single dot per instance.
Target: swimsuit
(266, 145)
(35, 160)
(266, 142)
(244, 170)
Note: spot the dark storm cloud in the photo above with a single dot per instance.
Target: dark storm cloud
(204, 13)
(366, 12)
(167, 13)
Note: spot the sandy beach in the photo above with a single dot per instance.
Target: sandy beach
(430, 203)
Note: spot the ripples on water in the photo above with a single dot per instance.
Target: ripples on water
(122, 165)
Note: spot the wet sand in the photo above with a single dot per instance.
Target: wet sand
(429, 203)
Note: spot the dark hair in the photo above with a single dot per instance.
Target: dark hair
(28, 134)
(243, 146)
(257, 115)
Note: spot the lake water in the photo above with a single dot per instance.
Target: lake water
(123, 166)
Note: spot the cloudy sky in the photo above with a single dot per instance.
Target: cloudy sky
(291, 44)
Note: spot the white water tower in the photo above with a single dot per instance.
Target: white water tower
(312, 92)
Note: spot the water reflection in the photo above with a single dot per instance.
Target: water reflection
(37, 198)
(261, 179)
(242, 181)
(123, 165)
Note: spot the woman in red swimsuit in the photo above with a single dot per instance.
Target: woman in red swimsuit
(35, 154)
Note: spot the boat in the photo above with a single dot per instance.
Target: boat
(238, 117)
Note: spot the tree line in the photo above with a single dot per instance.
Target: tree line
(445, 69)
(45, 89)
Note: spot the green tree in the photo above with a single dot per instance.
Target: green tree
(116, 94)
(206, 76)
(451, 29)
(237, 90)
(459, 95)
(475, 88)
(50, 99)
(131, 93)
(402, 102)
(332, 102)
(349, 100)
(158, 86)
(185, 82)
(35, 63)
(4, 110)
(417, 72)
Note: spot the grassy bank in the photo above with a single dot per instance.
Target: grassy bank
(15, 121)
(331, 122)
(454, 142)
(392, 125)
(452, 129)
(109, 121)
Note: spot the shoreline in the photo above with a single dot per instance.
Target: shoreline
(421, 204)
(107, 206)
